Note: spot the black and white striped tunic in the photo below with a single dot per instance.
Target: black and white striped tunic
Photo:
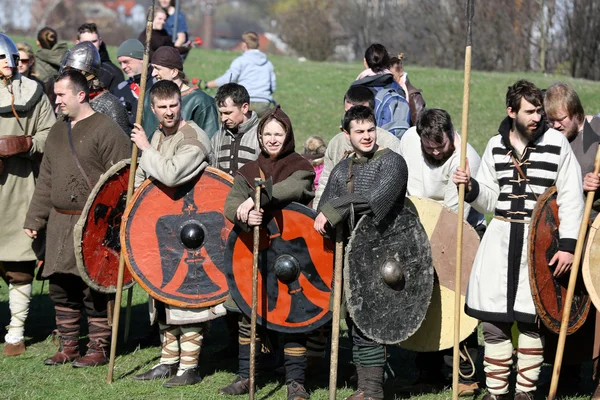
(499, 283)
(232, 151)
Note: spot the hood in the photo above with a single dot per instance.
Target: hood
(289, 143)
(256, 57)
(506, 126)
(375, 80)
(53, 56)
(26, 93)
(104, 57)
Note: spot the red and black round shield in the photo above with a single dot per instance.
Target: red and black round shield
(96, 234)
(295, 271)
(548, 291)
(174, 240)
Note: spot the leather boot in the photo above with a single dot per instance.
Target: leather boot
(296, 391)
(11, 350)
(358, 395)
(524, 395)
(67, 332)
(490, 396)
(371, 382)
(98, 347)
(237, 387)
(68, 350)
(159, 371)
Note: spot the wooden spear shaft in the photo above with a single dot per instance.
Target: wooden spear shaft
(461, 208)
(253, 316)
(337, 300)
(564, 325)
(130, 184)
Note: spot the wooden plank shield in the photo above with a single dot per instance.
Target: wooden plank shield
(437, 330)
(549, 292)
(96, 234)
(174, 239)
(295, 268)
(591, 260)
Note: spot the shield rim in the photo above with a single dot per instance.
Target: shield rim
(220, 175)
(345, 284)
(586, 267)
(540, 203)
(246, 309)
(464, 318)
(80, 227)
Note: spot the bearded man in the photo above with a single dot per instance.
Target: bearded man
(26, 117)
(518, 165)
(78, 151)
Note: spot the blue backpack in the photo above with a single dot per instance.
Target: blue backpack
(392, 111)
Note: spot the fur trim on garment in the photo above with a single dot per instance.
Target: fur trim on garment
(26, 92)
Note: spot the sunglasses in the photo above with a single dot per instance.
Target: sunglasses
(24, 60)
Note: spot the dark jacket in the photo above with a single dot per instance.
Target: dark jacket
(159, 39)
(47, 64)
(124, 91)
(110, 74)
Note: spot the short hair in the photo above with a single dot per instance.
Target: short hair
(523, 89)
(433, 124)
(251, 39)
(156, 10)
(377, 57)
(359, 95)
(47, 38)
(236, 92)
(163, 90)
(87, 28)
(78, 82)
(561, 95)
(358, 113)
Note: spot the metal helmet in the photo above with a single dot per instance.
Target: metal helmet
(84, 57)
(9, 50)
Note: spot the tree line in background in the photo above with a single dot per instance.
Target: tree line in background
(556, 36)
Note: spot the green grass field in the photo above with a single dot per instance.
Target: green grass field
(311, 93)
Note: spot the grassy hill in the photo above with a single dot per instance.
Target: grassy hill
(311, 93)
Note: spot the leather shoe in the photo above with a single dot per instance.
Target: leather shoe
(467, 389)
(237, 387)
(159, 371)
(11, 350)
(358, 395)
(524, 395)
(296, 391)
(187, 377)
(490, 396)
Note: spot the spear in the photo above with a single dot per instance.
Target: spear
(134, 159)
(461, 203)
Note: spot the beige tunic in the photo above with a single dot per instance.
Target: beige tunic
(17, 182)
(174, 160)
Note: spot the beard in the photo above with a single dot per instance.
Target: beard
(434, 162)
(524, 130)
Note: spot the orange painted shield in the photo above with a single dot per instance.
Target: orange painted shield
(96, 234)
(295, 272)
(174, 240)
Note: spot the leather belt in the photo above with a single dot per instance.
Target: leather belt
(68, 212)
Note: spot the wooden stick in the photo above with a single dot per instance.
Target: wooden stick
(257, 182)
(337, 300)
(128, 314)
(564, 325)
(130, 184)
(461, 208)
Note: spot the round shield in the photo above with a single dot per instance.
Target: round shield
(591, 260)
(388, 276)
(96, 234)
(295, 267)
(174, 239)
(437, 330)
(549, 292)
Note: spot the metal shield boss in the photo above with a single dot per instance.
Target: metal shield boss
(388, 276)
(549, 292)
(96, 234)
(174, 239)
(437, 330)
(295, 271)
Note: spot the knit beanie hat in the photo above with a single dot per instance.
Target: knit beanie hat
(131, 48)
(168, 57)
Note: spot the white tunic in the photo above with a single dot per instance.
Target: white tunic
(499, 288)
(435, 181)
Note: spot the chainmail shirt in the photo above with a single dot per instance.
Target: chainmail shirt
(110, 105)
(378, 185)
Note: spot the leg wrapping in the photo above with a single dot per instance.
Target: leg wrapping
(497, 363)
(529, 363)
(191, 343)
(169, 343)
(19, 297)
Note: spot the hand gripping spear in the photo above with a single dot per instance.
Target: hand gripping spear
(562, 337)
(461, 203)
(134, 158)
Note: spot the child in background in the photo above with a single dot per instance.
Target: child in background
(314, 151)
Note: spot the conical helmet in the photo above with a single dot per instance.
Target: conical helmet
(84, 57)
(9, 50)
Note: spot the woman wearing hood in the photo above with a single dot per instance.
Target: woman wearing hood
(48, 59)
(292, 177)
